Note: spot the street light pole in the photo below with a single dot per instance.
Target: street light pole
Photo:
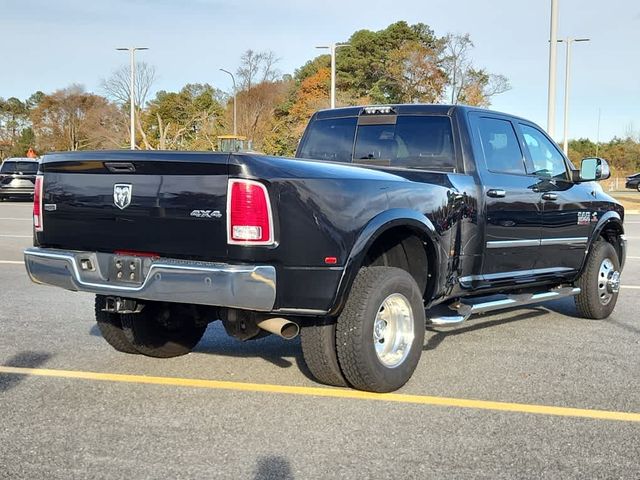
(553, 55)
(567, 88)
(132, 81)
(332, 51)
(233, 79)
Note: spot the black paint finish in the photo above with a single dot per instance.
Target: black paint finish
(325, 209)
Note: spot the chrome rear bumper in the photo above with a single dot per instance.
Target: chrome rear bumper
(249, 287)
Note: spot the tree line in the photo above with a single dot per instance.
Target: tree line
(402, 63)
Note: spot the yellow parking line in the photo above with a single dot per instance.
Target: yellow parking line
(328, 392)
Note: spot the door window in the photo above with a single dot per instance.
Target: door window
(500, 146)
(547, 161)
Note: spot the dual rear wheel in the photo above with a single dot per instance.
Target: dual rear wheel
(376, 342)
(160, 330)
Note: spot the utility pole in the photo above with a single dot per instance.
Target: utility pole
(553, 55)
(598, 132)
(235, 121)
(332, 50)
(567, 87)
(132, 81)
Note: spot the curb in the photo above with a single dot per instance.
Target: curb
(632, 212)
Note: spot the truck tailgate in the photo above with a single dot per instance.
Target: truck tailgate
(167, 203)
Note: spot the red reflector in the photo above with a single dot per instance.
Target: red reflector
(37, 205)
(134, 253)
(249, 213)
(330, 260)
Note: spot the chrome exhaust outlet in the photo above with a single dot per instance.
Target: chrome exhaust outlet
(281, 327)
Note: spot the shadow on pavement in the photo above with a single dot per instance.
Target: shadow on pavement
(22, 359)
(277, 351)
(440, 335)
(273, 467)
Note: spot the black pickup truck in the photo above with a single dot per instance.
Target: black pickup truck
(389, 219)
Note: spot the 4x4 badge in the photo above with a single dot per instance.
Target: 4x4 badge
(122, 195)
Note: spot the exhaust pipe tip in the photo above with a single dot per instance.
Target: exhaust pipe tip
(289, 331)
(280, 326)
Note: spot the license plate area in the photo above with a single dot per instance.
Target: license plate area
(125, 269)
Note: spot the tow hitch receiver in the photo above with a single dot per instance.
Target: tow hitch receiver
(122, 305)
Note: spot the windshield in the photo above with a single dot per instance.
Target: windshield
(19, 167)
(413, 141)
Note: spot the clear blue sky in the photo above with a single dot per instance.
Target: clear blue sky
(48, 45)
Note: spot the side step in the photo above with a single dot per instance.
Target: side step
(465, 308)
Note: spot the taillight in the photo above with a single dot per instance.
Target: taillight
(249, 219)
(37, 205)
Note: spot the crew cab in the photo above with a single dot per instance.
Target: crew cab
(390, 218)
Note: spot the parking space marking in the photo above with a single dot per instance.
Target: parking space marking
(327, 392)
(30, 220)
(11, 262)
(630, 287)
(16, 236)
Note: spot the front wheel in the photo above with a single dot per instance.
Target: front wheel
(164, 330)
(380, 332)
(599, 282)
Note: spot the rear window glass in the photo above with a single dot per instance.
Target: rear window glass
(414, 141)
(330, 139)
(19, 167)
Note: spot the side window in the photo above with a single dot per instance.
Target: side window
(500, 146)
(547, 160)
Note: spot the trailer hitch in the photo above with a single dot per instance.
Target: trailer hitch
(122, 305)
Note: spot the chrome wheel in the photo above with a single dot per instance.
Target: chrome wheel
(393, 330)
(608, 281)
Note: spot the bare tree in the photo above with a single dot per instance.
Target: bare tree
(467, 84)
(117, 86)
(456, 62)
(257, 67)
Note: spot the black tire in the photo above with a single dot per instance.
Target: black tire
(164, 330)
(638, 187)
(319, 352)
(590, 302)
(110, 327)
(360, 364)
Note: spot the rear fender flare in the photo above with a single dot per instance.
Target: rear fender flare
(397, 217)
(610, 217)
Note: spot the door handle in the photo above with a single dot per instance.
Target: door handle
(496, 193)
(550, 196)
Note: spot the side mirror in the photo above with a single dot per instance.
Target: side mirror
(593, 169)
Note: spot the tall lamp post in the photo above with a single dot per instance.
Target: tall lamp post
(567, 86)
(553, 55)
(132, 113)
(332, 50)
(235, 123)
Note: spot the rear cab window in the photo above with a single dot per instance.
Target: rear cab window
(408, 141)
(19, 167)
(329, 139)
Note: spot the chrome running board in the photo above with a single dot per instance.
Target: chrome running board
(465, 308)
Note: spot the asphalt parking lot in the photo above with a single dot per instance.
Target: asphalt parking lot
(527, 393)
